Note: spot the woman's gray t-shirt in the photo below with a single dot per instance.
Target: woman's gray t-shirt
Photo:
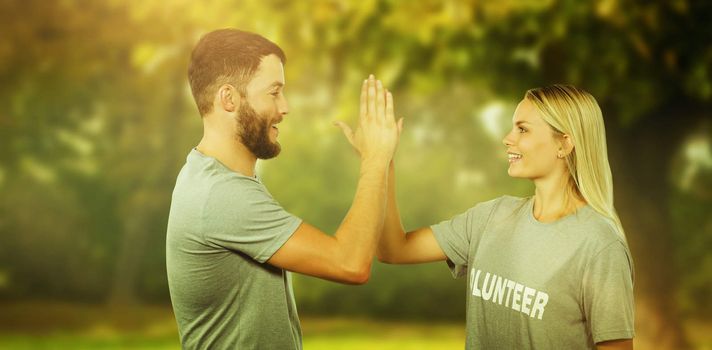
(567, 284)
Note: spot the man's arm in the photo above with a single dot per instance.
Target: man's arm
(397, 247)
(347, 256)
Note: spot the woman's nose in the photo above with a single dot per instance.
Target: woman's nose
(506, 141)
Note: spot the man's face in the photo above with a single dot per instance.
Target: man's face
(262, 109)
(256, 131)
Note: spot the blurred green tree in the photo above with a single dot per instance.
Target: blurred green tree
(96, 117)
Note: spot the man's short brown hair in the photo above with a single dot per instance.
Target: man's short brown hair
(226, 56)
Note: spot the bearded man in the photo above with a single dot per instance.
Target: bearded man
(230, 245)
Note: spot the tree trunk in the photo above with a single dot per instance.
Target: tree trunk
(128, 260)
(143, 204)
(641, 158)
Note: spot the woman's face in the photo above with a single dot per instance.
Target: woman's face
(532, 149)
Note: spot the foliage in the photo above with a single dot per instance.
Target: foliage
(96, 119)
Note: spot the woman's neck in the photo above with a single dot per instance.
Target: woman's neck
(555, 199)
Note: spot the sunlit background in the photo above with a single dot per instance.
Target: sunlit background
(96, 119)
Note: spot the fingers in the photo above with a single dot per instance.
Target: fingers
(363, 109)
(376, 101)
(346, 130)
(380, 101)
(400, 125)
(389, 106)
(371, 96)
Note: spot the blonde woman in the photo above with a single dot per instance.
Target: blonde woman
(549, 271)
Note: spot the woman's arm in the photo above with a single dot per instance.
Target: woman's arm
(397, 247)
(620, 344)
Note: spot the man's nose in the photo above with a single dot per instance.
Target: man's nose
(283, 106)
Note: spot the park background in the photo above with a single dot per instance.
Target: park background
(96, 119)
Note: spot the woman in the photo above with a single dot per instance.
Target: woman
(550, 271)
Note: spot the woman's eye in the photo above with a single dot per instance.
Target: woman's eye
(521, 130)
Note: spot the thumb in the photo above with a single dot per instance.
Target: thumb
(400, 125)
(346, 130)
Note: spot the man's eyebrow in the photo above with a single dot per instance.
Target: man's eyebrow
(276, 83)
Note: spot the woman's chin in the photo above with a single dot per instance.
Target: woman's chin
(514, 174)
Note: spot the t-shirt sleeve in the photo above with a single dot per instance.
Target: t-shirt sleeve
(241, 215)
(608, 294)
(455, 235)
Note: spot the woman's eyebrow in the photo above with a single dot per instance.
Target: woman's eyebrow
(521, 122)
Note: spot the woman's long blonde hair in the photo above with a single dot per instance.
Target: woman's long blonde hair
(574, 112)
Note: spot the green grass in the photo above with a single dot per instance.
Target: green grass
(319, 334)
(347, 334)
(392, 336)
(80, 341)
(43, 325)
(70, 326)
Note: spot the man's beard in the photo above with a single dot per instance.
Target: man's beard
(253, 132)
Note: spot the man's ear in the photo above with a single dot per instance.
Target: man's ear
(228, 98)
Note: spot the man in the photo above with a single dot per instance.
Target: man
(229, 243)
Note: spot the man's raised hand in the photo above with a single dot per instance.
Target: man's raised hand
(377, 133)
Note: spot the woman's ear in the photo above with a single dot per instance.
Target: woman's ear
(567, 145)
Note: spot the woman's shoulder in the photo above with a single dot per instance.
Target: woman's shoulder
(508, 200)
(500, 208)
(598, 231)
(502, 203)
(603, 226)
(507, 204)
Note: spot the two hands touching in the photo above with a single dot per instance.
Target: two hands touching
(376, 137)
(347, 256)
(377, 133)
(372, 225)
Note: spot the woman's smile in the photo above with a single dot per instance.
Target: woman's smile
(513, 157)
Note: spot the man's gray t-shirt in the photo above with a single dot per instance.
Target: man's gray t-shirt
(222, 228)
(567, 284)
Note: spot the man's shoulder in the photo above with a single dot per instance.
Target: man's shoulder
(210, 171)
(232, 183)
(235, 192)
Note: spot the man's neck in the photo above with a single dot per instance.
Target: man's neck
(231, 153)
